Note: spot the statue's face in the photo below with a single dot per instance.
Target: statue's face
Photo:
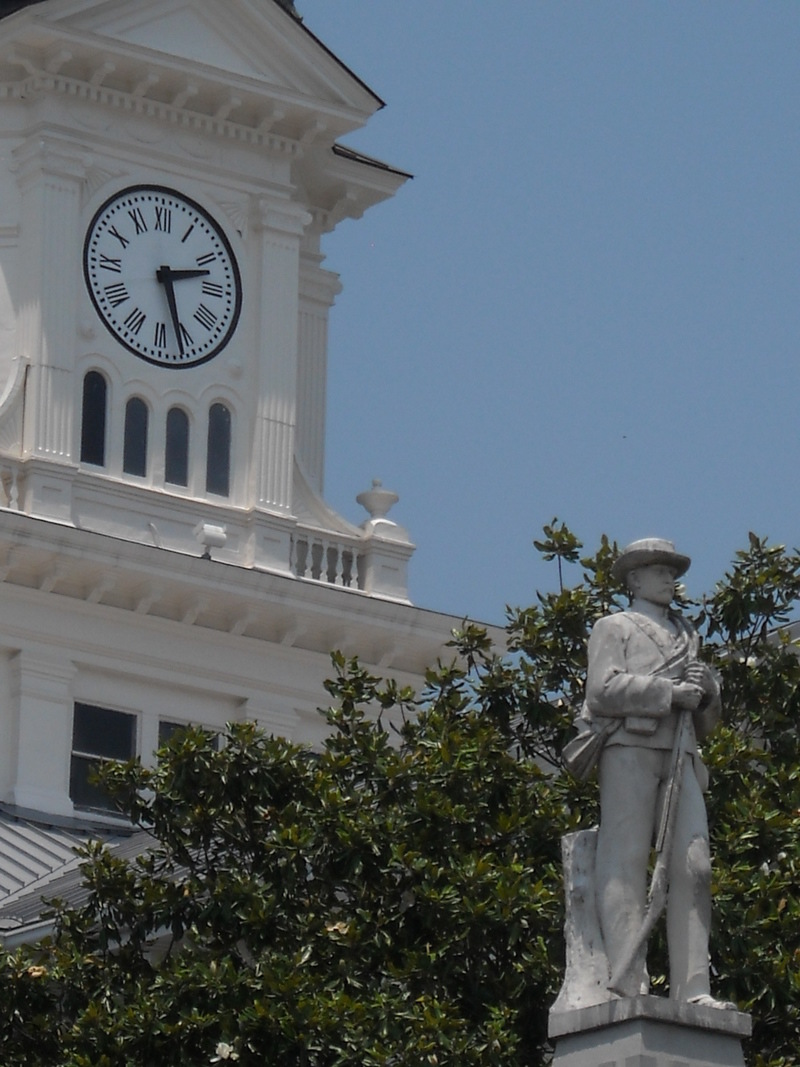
(655, 583)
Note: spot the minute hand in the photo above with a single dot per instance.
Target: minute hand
(180, 275)
(165, 276)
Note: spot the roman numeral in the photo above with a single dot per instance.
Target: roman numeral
(163, 219)
(185, 237)
(212, 289)
(209, 257)
(135, 320)
(138, 220)
(205, 317)
(107, 263)
(116, 294)
(115, 233)
(186, 337)
(160, 338)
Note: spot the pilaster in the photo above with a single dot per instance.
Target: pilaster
(279, 228)
(43, 693)
(318, 290)
(9, 713)
(50, 174)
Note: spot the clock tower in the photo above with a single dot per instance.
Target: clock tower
(168, 172)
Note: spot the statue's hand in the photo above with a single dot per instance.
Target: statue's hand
(686, 695)
(700, 674)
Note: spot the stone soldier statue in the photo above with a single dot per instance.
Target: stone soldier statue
(651, 699)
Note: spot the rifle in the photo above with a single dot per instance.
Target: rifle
(657, 894)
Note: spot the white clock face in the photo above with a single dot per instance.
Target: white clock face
(162, 276)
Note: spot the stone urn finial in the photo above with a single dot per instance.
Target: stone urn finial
(377, 500)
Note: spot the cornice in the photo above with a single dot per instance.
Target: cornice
(98, 572)
(40, 48)
(174, 114)
(43, 64)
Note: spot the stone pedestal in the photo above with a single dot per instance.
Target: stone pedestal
(648, 1032)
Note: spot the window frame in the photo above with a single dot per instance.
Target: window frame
(83, 795)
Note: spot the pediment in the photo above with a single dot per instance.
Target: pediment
(186, 30)
(252, 43)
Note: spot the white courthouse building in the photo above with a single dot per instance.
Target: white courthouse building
(168, 172)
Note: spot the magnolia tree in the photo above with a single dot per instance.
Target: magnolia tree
(396, 898)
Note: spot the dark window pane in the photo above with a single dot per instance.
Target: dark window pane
(134, 459)
(93, 419)
(167, 730)
(82, 789)
(218, 468)
(176, 462)
(103, 732)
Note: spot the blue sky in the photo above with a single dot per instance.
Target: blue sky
(585, 304)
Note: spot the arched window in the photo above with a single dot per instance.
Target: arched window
(134, 453)
(218, 462)
(176, 460)
(93, 419)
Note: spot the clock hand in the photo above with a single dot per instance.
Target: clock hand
(165, 275)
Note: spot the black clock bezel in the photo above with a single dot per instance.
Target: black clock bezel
(165, 190)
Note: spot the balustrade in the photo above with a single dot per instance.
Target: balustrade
(323, 559)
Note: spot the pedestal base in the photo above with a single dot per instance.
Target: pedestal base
(648, 1032)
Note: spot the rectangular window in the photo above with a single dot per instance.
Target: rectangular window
(98, 735)
(167, 730)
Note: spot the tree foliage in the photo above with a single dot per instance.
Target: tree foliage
(396, 898)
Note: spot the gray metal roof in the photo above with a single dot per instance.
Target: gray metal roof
(38, 862)
(31, 851)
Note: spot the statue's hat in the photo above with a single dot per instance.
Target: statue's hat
(647, 551)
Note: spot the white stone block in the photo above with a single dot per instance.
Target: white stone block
(648, 1032)
(586, 975)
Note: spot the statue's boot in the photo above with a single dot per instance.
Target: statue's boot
(705, 1000)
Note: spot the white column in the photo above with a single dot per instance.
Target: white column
(279, 227)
